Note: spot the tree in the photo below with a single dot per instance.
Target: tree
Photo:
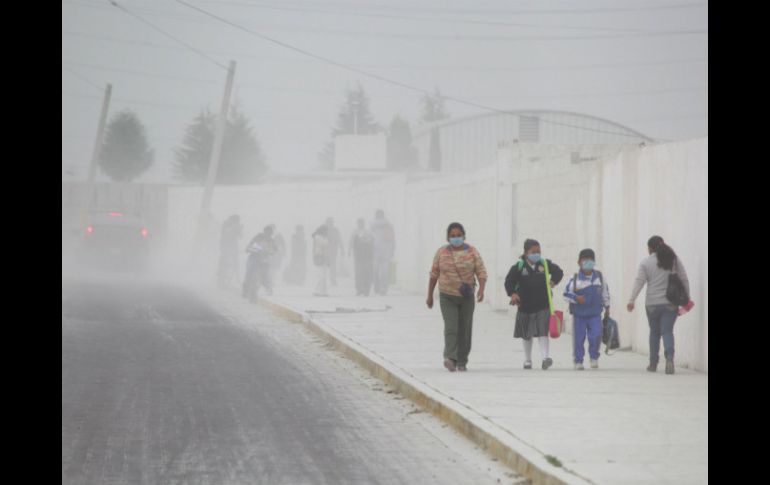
(241, 161)
(433, 110)
(354, 117)
(401, 153)
(434, 151)
(125, 153)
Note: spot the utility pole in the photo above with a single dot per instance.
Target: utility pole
(88, 198)
(216, 152)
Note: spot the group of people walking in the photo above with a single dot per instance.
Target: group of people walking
(372, 249)
(458, 270)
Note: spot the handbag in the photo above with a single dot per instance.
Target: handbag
(676, 293)
(466, 290)
(556, 319)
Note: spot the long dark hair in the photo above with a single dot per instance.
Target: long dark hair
(666, 255)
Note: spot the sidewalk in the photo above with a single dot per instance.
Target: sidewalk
(614, 425)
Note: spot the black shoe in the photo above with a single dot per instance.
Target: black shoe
(653, 367)
(462, 368)
(528, 365)
(450, 365)
(548, 362)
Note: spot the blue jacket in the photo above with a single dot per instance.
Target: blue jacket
(595, 291)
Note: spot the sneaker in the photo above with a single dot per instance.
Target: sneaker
(669, 366)
(528, 364)
(579, 366)
(594, 364)
(449, 364)
(547, 362)
(653, 367)
(462, 368)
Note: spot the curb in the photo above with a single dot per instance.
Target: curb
(481, 431)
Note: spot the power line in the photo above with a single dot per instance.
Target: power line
(463, 11)
(573, 67)
(348, 12)
(345, 66)
(141, 73)
(438, 19)
(480, 37)
(124, 41)
(158, 29)
(628, 33)
(136, 102)
(206, 81)
(82, 78)
(406, 66)
(304, 52)
(624, 93)
(141, 10)
(181, 107)
(175, 48)
(368, 74)
(333, 91)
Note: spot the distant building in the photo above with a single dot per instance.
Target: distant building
(471, 142)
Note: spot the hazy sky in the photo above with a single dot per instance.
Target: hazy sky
(506, 54)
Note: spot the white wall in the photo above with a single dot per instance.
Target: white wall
(612, 200)
(672, 201)
(613, 204)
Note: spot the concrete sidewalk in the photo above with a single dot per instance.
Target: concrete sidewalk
(614, 425)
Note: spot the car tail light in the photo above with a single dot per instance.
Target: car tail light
(144, 232)
(116, 214)
(90, 230)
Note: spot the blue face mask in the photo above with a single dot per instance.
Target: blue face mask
(588, 265)
(456, 241)
(533, 258)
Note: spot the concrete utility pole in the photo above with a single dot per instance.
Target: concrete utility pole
(88, 198)
(216, 152)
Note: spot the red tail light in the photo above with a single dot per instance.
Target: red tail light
(90, 230)
(144, 232)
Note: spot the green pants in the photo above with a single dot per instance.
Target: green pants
(458, 326)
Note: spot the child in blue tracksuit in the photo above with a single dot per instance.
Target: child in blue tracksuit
(587, 294)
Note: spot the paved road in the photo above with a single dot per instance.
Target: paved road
(159, 387)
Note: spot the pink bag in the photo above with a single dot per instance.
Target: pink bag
(556, 324)
(556, 320)
(686, 308)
